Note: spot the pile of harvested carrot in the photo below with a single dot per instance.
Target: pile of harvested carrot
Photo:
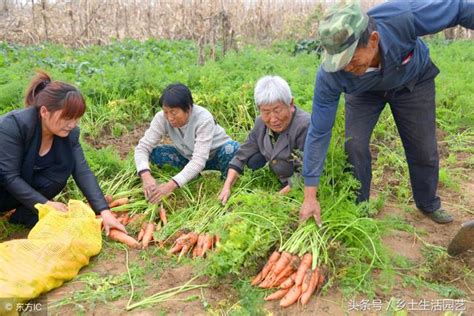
(292, 275)
(145, 236)
(199, 244)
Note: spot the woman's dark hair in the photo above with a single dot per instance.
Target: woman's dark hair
(365, 36)
(55, 96)
(177, 95)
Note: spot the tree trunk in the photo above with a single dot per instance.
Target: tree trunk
(45, 20)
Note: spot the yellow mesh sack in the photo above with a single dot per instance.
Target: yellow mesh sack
(59, 245)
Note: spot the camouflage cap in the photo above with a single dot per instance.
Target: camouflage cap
(339, 33)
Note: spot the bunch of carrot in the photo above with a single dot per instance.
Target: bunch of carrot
(121, 212)
(292, 275)
(199, 244)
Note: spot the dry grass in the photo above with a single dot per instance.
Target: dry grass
(229, 22)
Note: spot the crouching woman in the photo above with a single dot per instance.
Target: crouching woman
(277, 138)
(41, 150)
(197, 143)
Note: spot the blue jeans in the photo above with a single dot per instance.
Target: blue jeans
(169, 155)
(415, 117)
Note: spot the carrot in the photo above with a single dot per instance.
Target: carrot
(288, 282)
(123, 219)
(269, 265)
(177, 247)
(216, 239)
(108, 198)
(207, 244)
(184, 250)
(277, 295)
(120, 236)
(291, 297)
(321, 281)
(148, 235)
(287, 271)
(307, 279)
(127, 219)
(313, 283)
(282, 262)
(142, 231)
(257, 279)
(199, 244)
(305, 265)
(163, 215)
(133, 218)
(118, 202)
(278, 267)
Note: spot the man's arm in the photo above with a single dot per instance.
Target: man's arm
(325, 101)
(432, 16)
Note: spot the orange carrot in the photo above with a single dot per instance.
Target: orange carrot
(304, 265)
(108, 198)
(287, 271)
(321, 281)
(142, 231)
(148, 235)
(313, 283)
(207, 244)
(177, 247)
(277, 295)
(120, 236)
(198, 247)
(291, 297)
(269, 265)
(257, 279)
(288, 282)
(118, 202)
(307, 280)
(216, 239)
(282, 262)
(163, 215)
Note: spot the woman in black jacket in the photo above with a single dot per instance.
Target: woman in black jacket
(40, 149)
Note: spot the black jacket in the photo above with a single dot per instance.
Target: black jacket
(20, 140)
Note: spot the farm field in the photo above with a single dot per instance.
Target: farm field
(389, 258)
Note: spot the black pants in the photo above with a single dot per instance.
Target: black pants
(414, 114)
(23, 214)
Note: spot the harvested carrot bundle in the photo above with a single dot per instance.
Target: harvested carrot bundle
(120, 236)
(292, 275)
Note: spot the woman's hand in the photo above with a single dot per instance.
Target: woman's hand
(163, 190)
(224, 195)
(109, 221)
(58, 206)
(149, 185)
(285, 190)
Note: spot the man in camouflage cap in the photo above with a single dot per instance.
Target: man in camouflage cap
(374, 59)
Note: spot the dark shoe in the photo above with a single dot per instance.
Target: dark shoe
(440, 216)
